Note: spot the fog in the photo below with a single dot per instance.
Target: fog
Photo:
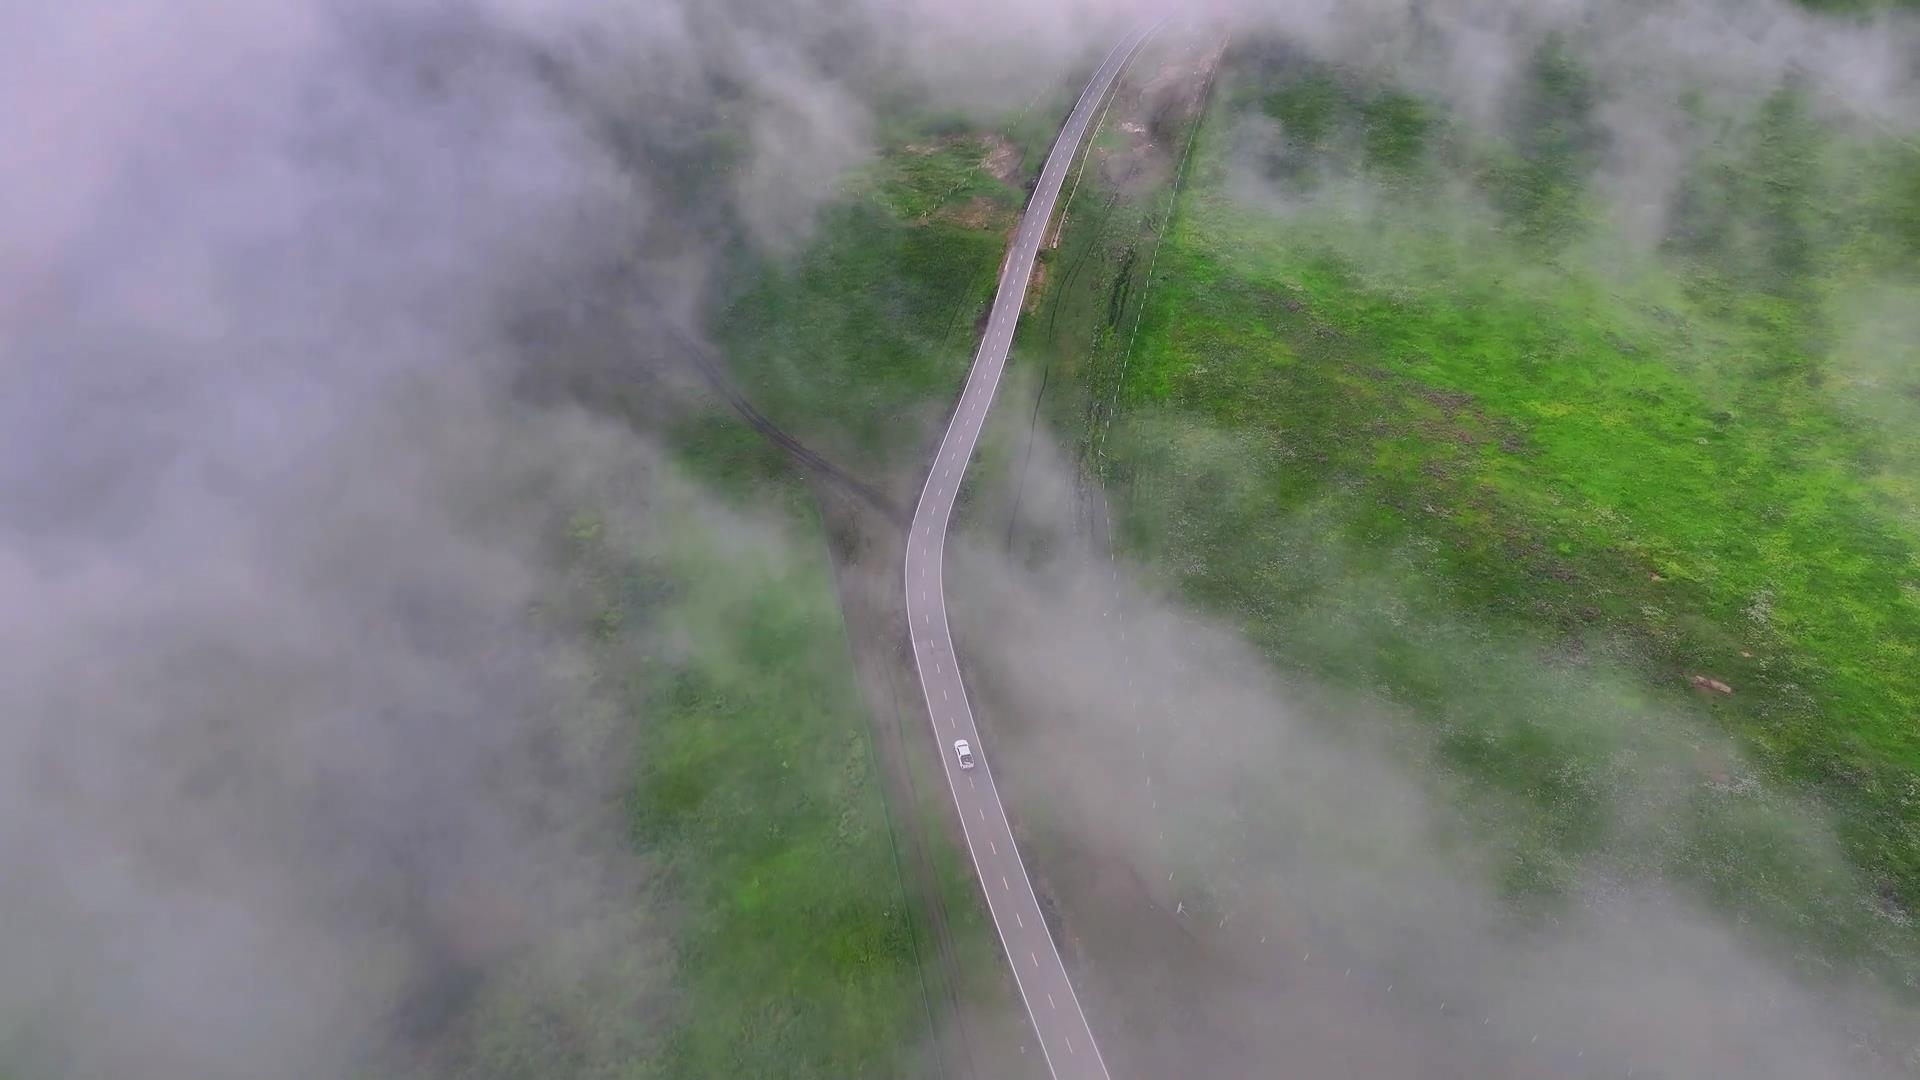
(295, 299)
(1667, 78)
(1311, 850)
(287, 772)
(1270, 868)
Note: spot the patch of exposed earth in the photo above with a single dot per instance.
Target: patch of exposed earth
(977, 213)
(1152, 118)
(1002, 161)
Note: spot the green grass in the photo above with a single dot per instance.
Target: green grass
(712, 629)
(756, 923)
(851, 341)
(757, 788)
(1422, 452)
(755, 795)
(921, 179)
(757, 781)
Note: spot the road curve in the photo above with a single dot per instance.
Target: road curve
(1065, 1038)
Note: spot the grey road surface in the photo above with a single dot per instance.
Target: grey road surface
(1061, 1026)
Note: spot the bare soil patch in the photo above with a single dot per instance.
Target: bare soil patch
(976, 213)
(1002, 161)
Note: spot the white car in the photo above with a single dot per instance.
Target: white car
(963, 752)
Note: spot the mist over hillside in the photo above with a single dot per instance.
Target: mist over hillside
(298, 297)
(336, 330)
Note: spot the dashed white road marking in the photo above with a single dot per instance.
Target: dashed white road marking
(1021, 921)
(1050, 1003)
(1004, 887)
(1035, 957)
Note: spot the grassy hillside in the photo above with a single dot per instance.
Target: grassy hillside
(851, 341)
(773, 934)
(1401, 409)
(759, 788)
(766, 932)
(755, 788)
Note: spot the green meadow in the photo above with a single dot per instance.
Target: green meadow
(1629, 531)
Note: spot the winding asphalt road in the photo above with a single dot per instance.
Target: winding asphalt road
(1065, 1038)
